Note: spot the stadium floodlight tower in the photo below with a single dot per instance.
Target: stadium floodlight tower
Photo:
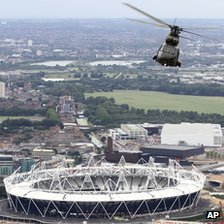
(104, 190)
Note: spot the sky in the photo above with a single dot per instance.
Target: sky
(211, 9)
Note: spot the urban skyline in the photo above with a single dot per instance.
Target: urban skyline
(110, 9)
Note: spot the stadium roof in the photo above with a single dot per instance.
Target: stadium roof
(27, 185)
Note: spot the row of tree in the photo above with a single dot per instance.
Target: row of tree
(104, 111)
(9, 126)
(19, 111)
(151, 83)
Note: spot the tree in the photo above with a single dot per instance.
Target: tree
(124, 106)
(77, 75)
(102, 115)
(103, 139)
(52, 115)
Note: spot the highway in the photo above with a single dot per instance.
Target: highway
(208, 167)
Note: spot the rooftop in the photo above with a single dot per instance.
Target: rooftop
(133, 127)
(192, 129)
(172, 147)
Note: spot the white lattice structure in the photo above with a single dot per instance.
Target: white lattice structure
(104, 190)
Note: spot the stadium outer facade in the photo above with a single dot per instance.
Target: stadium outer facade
(104, 190)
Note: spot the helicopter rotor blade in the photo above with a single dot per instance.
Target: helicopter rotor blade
(174, 28)
(201, 28)
(186, 38)
(174, 23)
(148, 15)
(196, 34)
(146, 22)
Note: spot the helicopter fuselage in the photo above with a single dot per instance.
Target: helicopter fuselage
(168, 53)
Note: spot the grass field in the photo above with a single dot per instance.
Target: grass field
(158, 100)
(32, 118)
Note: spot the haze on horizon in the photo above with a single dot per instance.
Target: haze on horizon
(49, 9)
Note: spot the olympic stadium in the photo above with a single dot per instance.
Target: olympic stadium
(104, 190)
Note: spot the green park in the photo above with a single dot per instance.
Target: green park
(164, 101)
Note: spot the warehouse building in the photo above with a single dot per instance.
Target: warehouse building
(192, 134)
(153, 129)
(43, 154)
(6, 165)
(134, 131)
(177, 152)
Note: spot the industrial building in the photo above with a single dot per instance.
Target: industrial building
(6, 165)
(192, 134)
(153, 129)
(43, 154)
(130, 156)
(114, 156)
(118, 134)
(83, 123)
(25, 164)
(176, 152)
(134, 131)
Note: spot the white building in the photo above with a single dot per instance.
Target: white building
(2, 90)
(29, 43)
(193, 134)
(118, 134)
(39, 53)
(134, 131)
(43, 154)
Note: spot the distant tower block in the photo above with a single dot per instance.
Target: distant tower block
(29, 43)
(39, 53)
(109, 144)
(2, 90)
